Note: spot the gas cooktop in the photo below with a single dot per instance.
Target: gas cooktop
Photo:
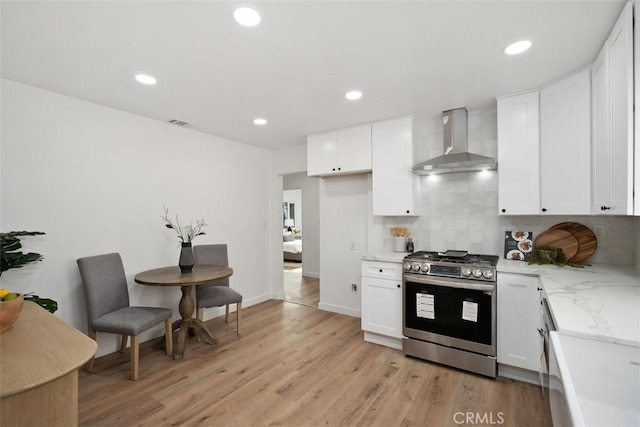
(455, 257)
(456, 264)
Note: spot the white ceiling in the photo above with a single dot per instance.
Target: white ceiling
(408, 57)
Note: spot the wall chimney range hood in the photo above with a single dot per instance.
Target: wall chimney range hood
(456, 157)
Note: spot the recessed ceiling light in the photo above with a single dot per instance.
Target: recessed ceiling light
(517, 47)
(246, 16)
(146, 79)
(353, 95)
(259, 121)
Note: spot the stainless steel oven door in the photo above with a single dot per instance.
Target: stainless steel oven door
(450, 312)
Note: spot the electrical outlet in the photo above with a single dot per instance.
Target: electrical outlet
(598, 230)
(354, 288)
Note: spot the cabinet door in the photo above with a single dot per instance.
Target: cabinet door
(321, 153)
(518, 155)
(353, 149)
(382, 306)
(565, 146)
(621, 78)
(613, 122)
(602, 163)
(518, 321)
(393, 183)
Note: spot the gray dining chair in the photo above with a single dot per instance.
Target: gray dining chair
(107, 298)
(217, 293)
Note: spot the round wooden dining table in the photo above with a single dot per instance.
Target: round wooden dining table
(201, 274)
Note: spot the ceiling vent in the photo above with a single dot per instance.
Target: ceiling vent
(178, 122)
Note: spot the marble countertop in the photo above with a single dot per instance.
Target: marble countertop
(386, 256)
(599, 302)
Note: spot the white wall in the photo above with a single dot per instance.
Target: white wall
(95, 179)
(344, 206)
(311, 221)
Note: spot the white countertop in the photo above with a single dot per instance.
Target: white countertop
(386, 256)
(599, 302)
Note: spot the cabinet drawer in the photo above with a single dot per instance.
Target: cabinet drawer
(382, 270)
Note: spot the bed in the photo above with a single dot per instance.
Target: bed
(291, 248)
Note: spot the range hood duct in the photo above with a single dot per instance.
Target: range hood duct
(456, 157)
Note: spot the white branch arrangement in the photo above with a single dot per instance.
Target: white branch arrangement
(186, 233)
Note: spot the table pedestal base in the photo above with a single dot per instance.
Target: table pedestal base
(200, 330)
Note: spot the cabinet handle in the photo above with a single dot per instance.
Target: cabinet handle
(544, 209)
(541, 332)
(333, 169)
(605, 208)
(339, 168)
(380, 270)
(504, 210)
(398, 286)
(408, 211)
(539, 289)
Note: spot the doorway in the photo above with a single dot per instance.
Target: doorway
(299, 230)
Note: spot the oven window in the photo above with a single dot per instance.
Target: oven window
(459, 313)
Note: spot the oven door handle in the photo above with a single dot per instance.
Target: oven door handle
(487, 287)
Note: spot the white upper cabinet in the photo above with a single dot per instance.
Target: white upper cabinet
(636, 65)
(518, 155)
(339, 152)
(613, 121)
(394, 186)
(544, 141)
(565, 146)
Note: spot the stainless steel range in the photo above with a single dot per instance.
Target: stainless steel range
(449, 309)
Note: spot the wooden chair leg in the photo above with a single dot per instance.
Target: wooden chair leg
(168, 336)
(135, 355)
(238, 316)
(226, 314)
(89, 365)
(123, 343)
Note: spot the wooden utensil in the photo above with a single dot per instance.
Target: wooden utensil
(587, 241)
(559, 239)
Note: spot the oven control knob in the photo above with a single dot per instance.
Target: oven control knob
(424, 268)
(407, 266)
(466, 272)
(415, 266)
(477, 273)
(488, 274)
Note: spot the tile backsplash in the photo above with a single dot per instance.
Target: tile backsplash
(460, 211)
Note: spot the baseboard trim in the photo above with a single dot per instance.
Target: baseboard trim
(518, 374)
(339, 309)
(310, 274)
(374, 338)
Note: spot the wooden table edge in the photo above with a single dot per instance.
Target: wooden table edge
(57, 374)
(139, 277)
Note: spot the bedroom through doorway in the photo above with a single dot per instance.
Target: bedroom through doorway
(297, 287)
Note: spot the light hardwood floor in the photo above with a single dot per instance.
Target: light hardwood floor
(298, 288)
(296, 365)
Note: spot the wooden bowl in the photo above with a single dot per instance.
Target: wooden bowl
(10, 311)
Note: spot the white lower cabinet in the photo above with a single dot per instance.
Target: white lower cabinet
(519, 320)
(382, 303)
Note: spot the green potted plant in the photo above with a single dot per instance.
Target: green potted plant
(11, 256)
